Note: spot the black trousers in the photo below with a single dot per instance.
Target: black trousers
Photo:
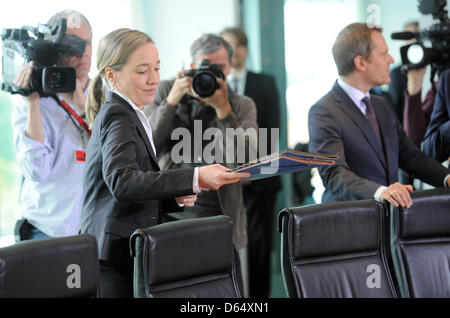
(260, 208)
(115, 282)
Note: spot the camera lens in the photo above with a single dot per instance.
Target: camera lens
(204, 84)
(416, 54)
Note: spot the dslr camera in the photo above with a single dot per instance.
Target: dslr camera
(417, 55)
(20, 46)
(204, 80)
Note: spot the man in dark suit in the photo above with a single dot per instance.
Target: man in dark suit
(362, 128)
(260, 195)
(437, 138)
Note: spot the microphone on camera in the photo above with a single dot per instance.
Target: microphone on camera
(403, 35)
(43, 52)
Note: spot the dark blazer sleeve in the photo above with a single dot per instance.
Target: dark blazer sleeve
(124, 162)
(418, 164)
(326, 138)
(437, 138)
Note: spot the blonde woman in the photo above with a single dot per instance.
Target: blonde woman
(124, 188)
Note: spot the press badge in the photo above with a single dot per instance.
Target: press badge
(80, 156)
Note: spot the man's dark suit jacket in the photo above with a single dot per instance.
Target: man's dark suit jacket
(123, 185)
(436, 142)
(337, 126)
(263, 90)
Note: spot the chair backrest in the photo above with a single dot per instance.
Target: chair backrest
(50, 268)
(420, 244)
(335, 250)
(185, 259)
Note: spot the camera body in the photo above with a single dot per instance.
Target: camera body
(204, 82)
(20, 46)
(416, 55)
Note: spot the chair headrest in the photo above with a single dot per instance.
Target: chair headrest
(186, 248)
(52, 267)
(333, 228)
(429, 216)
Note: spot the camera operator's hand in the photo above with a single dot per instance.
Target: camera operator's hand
(23, 81)
(35, 127)
(181, 87)
(219, 101)
(77, 98)
(415, 81)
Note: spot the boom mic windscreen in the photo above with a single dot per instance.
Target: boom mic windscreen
(403, 35)
(43, 52)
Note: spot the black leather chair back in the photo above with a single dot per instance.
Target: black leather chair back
(185, 259)
(50, 268)
(420, 245)
(335, 250)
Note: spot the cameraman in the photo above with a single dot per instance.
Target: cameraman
(50, 145)
(175, 107)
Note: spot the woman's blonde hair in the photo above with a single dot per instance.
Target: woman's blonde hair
(114, 51)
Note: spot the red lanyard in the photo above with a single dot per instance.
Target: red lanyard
(74, 114)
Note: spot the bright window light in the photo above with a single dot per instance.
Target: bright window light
(311, 28)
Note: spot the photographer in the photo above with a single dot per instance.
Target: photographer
(259, 195)
(175, 107)
(50, 137)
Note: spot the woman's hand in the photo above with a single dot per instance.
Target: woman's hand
(212, 177)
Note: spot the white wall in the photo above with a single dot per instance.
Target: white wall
(175, 24)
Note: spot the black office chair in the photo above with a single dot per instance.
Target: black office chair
(50, 268)
(335, 250)
(185, 259)
(420, 245)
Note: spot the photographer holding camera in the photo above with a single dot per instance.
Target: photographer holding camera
(50, 138)
(178, 104)
(426, 123)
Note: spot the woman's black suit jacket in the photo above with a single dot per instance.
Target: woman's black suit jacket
(124, 189)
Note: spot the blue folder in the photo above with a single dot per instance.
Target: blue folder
(287, 161)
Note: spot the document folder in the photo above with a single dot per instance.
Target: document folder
(287, 161)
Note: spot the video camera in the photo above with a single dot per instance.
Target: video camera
(416, 55)
(21, 46)
(204, 80)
